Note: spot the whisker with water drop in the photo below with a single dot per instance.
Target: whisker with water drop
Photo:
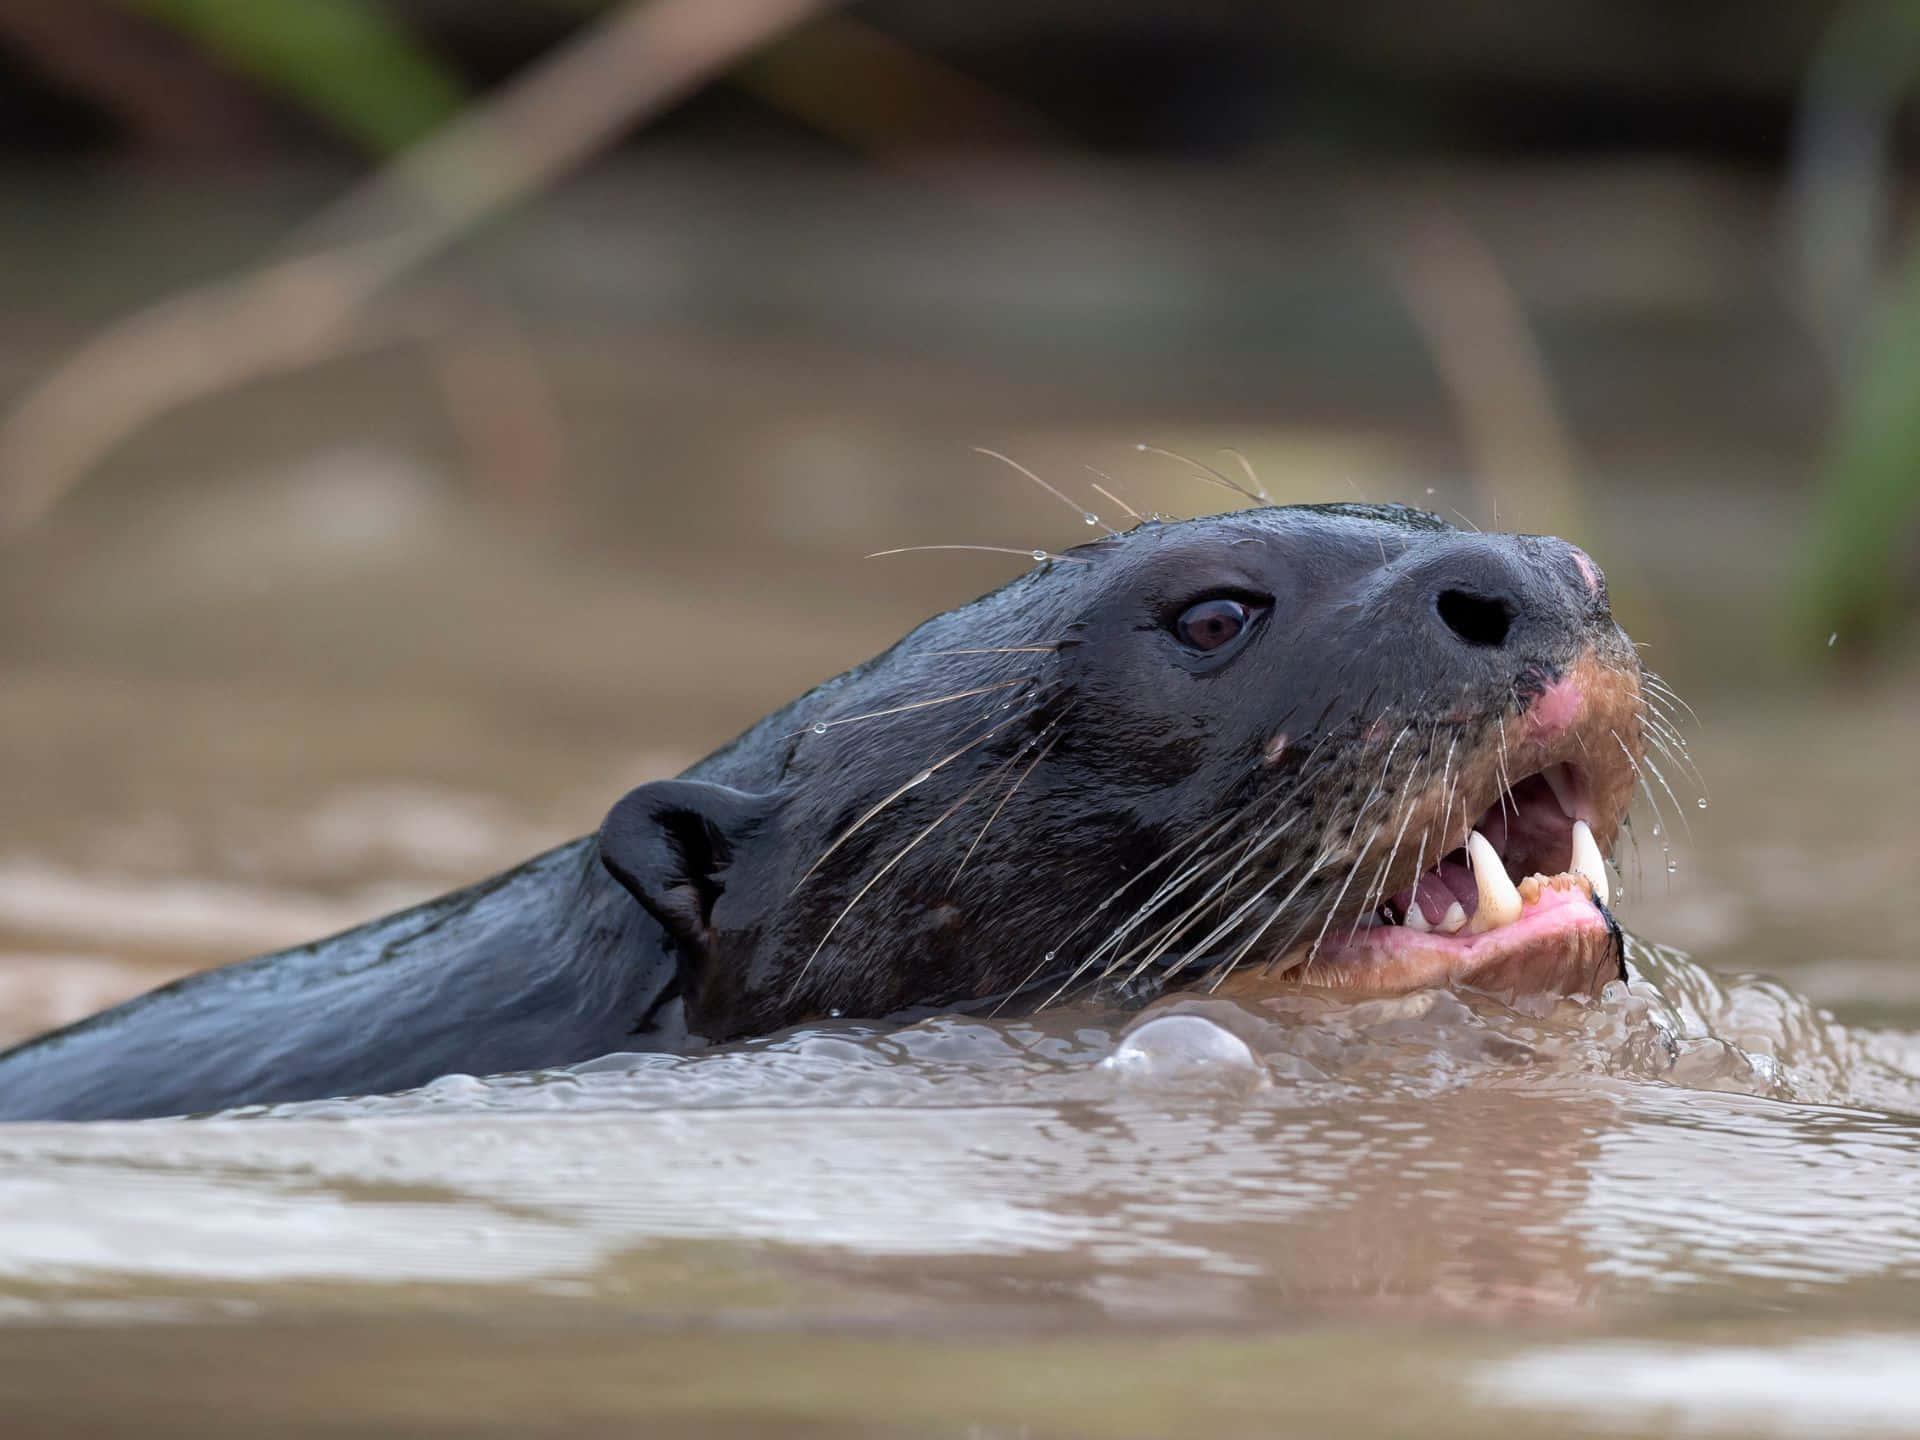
(1246, 466)
(1038, 555)
(1060, 495)
(1204, 471)
(1137, 516)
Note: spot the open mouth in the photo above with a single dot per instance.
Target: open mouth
(1518, 909)
(1537, 833)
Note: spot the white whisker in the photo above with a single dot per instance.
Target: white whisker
(1031, 554)
(818, 726)
(1061, 496)
(1204, 471)
(877, 875)
(919, 778)
(1011, 789)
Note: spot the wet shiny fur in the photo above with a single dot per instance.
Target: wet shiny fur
(1041, 791)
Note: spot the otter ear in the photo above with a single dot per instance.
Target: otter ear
(668, 843)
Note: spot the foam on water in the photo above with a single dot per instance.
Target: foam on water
(1675, 1023)
(1203, 1158)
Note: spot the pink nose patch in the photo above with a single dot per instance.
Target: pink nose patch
(1553, 714)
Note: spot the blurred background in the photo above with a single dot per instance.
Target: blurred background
(421, 420)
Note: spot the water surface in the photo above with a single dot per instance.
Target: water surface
(1269, 1204)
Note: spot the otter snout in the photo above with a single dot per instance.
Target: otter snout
(1524, 596)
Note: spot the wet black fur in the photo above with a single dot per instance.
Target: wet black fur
(692, 916)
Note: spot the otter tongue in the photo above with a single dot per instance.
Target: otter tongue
(1436, 893)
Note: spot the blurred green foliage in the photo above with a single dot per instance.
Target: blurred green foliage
(349, 61)
(1868, 508)
(1866, 513)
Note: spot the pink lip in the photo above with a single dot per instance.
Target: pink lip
(1556, 912)
(1560, 945)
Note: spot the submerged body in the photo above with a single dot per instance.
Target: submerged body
(1334, 745)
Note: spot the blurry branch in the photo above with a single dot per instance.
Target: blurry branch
(295, 312)
(1867, 511)
(887, 100)
(1489, 362)
(346, 60)
(171, 102)
(637, 62)
(1480, 342)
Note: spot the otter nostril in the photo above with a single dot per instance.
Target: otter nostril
(1475, 618)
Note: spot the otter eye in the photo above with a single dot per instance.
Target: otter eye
(1211, 623)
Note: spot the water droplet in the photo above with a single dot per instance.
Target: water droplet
(1701, 802)
(1039, 554)
(1050, 955)
(1831, 638)
(1656, 832)
(1429, 489)
(1090, 518)
(835, 1013)
(819, 727)
(1672, 865)
(924, 775)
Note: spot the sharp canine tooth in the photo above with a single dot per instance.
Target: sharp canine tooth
(1499, 900)
(1454, 920)
(1587, 860)
(1561, 783)
(1417, 918)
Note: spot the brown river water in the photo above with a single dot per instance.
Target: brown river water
(1693, 1204)
(259, 681)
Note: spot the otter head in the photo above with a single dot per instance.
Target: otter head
(1342, 746)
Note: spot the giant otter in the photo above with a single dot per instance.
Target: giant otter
(1338, 745)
